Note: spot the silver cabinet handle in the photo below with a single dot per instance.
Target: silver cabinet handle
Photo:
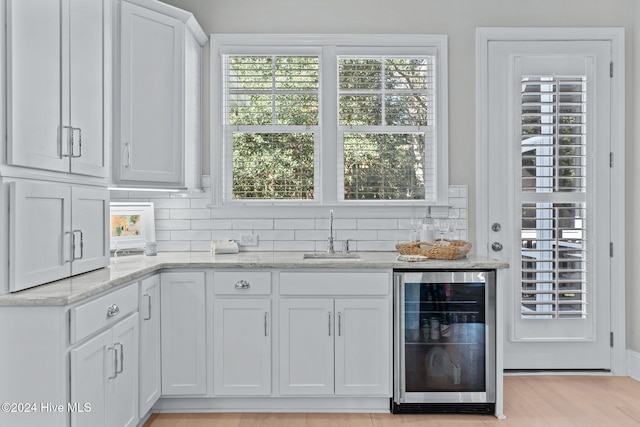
(69, 143)
(329, 323)
(73, 142)
(266, 332)
(148, 306)
(128, 148)
(115, 362)
(242, 284)
(118, 344)
(113, 310)
(339, 323)
(73, 244)
(79, 142)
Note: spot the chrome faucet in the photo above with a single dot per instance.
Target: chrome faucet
(330, 248)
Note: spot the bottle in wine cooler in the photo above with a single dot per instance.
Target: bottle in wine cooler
(454, 328)
(462, 328)
(445, 328)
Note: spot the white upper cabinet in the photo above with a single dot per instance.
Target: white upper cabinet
(158, 125)
(56, 85)
(55, 230)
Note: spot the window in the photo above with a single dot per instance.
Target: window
(331, 120)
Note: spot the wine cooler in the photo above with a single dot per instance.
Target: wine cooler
(444, 342)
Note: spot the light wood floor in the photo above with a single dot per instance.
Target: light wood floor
(530, 401)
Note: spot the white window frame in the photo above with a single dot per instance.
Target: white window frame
(326, 156)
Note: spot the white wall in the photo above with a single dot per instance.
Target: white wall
(458, 19)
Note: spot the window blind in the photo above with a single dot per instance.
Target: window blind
(386, 116)
(271, 116)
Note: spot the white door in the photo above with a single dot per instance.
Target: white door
(183, 333)
(151, 90)
(39, 233)
(306, 347)
(83, 92)
(93, 369)
(363, 347)
(548, 174)
(122, 399)
(150, 373)
(34, 84)
(90, 229)
(242, 353)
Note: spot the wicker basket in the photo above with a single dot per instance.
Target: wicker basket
(454, 250)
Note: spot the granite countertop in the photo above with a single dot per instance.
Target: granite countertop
(125, 269)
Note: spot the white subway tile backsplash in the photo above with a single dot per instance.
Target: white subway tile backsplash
(200, 246)
(190, 214)
(356, 235)
(294, 245)
(252, 224)
(312, 234)
(394, 235)
(191, 235)
(174, 246)
(293, 224)
(184, 223)
(173, 224)
(172, 203)
(377, 224)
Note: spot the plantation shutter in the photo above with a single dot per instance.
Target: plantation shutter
(553, 197)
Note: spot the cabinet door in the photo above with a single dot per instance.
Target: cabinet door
(83, 98)
(93, 369)
(122, 399)
(363, 347)
(150, 373)
(34, 78)
(183, 333)
(39, 234)
(151, 97)
(90, 232)
(242, 350)
(306, 347)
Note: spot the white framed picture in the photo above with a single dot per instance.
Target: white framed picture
(132, 225)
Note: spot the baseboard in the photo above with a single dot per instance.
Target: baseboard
(633, 364)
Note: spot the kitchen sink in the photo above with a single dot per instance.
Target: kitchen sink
(332, 256)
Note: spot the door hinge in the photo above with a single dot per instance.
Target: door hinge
(611, 69)
(611, 339)
(611, 249)
(610, 160)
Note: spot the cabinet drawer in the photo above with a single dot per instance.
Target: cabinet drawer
(94, 315)
(334, 283)
(242, 283)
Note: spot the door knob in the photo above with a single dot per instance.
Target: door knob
(496, 227)
(496, 246)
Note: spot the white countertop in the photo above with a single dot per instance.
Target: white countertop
(128, 268)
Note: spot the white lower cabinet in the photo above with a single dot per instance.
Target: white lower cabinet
(306, 347)
(242, 347)
(362, 344)
(336, 340)
(339, 347)
(104, 375)
(150, 373)
(183, 333)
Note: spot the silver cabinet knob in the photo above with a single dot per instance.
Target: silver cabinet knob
(242, 284)
(497, 247)
(113, 310)
(496, 226)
